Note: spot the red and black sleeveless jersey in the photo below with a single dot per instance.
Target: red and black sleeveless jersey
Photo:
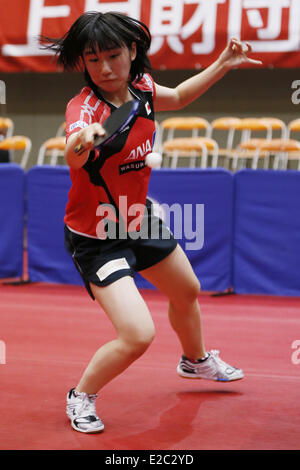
(115, 178)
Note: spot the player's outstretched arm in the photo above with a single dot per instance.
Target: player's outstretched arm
(234, 55)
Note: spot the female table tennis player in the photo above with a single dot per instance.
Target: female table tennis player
(112, 50)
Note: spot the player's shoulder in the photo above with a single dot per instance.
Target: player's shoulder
(146, 83)
(84, 109)
(85, 94)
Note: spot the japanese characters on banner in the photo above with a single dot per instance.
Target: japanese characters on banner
(186, 33)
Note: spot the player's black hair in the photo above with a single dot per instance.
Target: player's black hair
(105, 31)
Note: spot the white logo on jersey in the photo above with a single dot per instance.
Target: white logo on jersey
(140, 151)
(80, 124)
(86, 108)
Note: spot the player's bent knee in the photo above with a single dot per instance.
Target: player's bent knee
(138, 341)
(143, 339)
(188, 294)
(195, 289)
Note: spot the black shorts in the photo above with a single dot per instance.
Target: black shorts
(102, 262)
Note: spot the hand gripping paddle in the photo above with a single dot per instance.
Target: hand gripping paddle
(114, 124)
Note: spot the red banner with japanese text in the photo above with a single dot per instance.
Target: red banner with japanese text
(186, 34)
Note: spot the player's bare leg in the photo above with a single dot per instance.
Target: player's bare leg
(130, 316)
(175, 277)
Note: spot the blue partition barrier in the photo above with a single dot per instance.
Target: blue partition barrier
(47, 192)
(204, 200)
(12, 182)
(267, 232)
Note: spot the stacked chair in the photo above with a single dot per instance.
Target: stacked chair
(53, 148)
(192, 147)
(14, 145)
(253, 148)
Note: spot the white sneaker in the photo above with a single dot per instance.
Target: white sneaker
(212, 368)
(81, 410)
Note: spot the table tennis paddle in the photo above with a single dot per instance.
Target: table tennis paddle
(114, 125)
